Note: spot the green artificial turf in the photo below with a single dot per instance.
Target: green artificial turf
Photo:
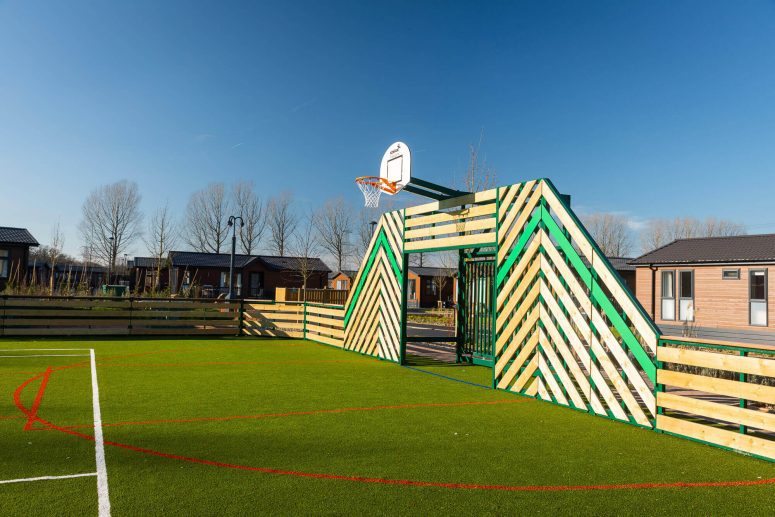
(443, 433)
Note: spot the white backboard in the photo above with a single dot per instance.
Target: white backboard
(397, 165)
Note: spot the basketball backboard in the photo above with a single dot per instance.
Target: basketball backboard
(396, 165)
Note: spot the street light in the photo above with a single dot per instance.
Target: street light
(232, 223)
(373, 225)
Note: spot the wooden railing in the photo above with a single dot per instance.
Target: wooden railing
(323, 323)
(718, 392)
(86, 316)
(321, 296)
(269, 319)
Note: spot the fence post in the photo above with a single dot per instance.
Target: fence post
(743, 402)
(241, 316)
(131, 312)
(304, 321)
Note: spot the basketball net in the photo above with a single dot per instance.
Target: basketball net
(372, 188)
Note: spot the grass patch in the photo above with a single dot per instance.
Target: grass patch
(302, 407)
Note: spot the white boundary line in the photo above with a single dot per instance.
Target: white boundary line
(99, 444)
(46, 478)
(46, 355)
(43, 349)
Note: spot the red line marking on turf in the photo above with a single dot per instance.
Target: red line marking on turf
(387, 481)
(32, 416)
(293, 413)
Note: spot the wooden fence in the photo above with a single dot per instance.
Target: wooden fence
(320, 296)
(322, 323)
(718, 392)
(86, 316)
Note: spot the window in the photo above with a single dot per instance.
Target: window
(340, 284)
(430, 286)
(686, 295)
(757, 292)
(223, 282)
(668, 295)
(730, 274)
(3, 263)
(256, 283)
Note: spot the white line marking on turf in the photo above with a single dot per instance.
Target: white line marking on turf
(47, 355)
(99, 444)
(43, 349)
(46, 478)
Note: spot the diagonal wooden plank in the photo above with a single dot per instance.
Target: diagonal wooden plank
(546, 349)
(506, 335)
(548, 377)
(523, 355)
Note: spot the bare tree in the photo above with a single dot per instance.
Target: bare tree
(334, 224)
(478, 174)
(207, 215)
(248, 206)
(282, 222)
(610, 232)
(111, 221)
(160, 238)
(55, 253)
(659, 232)
(304, 247)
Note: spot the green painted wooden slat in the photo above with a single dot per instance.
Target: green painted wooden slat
(645, 362)
(516, 251)
(383, 243)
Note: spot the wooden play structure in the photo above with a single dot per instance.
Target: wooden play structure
(553, 319)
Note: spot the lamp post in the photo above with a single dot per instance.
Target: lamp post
(373, 225)
(233, 223)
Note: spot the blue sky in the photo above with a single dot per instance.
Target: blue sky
(653, 109)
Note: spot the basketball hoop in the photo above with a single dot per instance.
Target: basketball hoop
(373, 187)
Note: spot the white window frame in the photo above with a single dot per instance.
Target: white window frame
(751, 300)
(682, 298)
(664, 298)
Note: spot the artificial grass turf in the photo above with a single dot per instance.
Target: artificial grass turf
(508, 441)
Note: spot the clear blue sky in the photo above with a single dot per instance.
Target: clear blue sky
(654, 109)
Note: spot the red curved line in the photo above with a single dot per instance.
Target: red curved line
(387, 481)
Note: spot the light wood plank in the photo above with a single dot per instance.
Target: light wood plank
(454, 227)
(467, 199)
(726, 387)
(448, 217)
(714, 410)
(737, 441)
(477, 239)
(522, 356)
(718, 361)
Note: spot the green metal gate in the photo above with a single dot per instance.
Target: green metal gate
(475, 309)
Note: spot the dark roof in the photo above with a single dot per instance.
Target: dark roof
(291, 263)
(144, 262)
(350, 273)
(10, 235)
(198, 259)
(740, 248)
(433, 271)
(621, 263)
